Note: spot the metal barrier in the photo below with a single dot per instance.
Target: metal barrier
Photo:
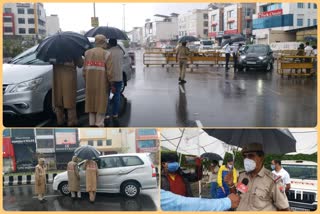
(296, 65)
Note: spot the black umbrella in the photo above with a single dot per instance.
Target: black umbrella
(211, 156)
(188, 39)
(108, 32)
(63, 47)
(274, 141)
(87, 152)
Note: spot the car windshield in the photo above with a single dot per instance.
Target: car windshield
(206, 42)
(257, 49)
(28, 57)
(301, 171)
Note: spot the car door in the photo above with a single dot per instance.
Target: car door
(109, 172)
(133, 168)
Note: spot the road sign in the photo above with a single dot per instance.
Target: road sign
(94, 21)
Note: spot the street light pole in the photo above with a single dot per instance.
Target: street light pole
(94, 9)
(124, 18)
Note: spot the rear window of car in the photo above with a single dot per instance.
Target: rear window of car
(206, 42)
(301, 171)
(131, 161)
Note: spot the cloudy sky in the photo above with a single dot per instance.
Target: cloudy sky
(77, 16)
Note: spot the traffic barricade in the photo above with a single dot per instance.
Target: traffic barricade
(296, 65)
(221, 60)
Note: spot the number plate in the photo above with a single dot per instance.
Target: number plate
(251, 63)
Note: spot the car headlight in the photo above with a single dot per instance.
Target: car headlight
(27, 86)
(242, 57)
(261, 57)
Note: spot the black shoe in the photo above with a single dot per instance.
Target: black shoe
(183, 81)
(179, 78)
(92, 202)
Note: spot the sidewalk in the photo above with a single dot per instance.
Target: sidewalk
(24, 179)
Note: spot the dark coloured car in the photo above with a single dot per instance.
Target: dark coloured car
(256, 57)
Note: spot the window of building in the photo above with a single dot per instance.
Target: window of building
(8, 29)
(132, 161)
(205, 24)
(214, 17)
(248, 24)
(300, 5)
(45, 143)
(314, 6)
(20, 10)
(309, 22)
(99, 142)
(205, 16)
(248, 11)
(109, 142)
(205, 32)
(21, 21)
(44, 131)
(231, 26)
(22, 30)
(110, 162)
(7, 19)
(299, 22)
(32, 31)
(30, 11)
(7, 10)
(309, 5)
(147, 143)
(230, 14)
(315, 22)
(31, 21)
(214, 28)
(147, 132)
(90, 142)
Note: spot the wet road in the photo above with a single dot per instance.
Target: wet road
(210, 98)
(22, 198)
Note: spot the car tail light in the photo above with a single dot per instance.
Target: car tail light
(154, 174)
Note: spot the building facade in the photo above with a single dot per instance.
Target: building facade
(25, 19)
(136, 36)
(53, 25)
(274, 22)
(147, 140)
(194, 23)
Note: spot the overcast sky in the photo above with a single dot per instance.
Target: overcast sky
(77, 16)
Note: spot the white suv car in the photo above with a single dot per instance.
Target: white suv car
(304, 186)
(118, 173)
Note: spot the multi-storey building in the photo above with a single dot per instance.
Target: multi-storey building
(136, 36)
(194, 23)
(147, 140)
(53, 25)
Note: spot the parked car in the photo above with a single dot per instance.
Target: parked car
(256, 57)
(27, 83)
(118, 173)
(302, 195)
(206, 45)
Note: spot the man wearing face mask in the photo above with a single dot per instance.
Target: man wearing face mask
(280, 172)
(265, 193)
(223, 188)
(173, 179)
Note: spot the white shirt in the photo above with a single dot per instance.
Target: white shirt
(284, 175)
(314, 52)
(228, 49)
(308, 50)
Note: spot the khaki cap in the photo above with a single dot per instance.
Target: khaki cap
(100, 40)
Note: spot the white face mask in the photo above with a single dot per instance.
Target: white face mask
(249, 165)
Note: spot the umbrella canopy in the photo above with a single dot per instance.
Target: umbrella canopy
(191, 142)
(62, 47)
(274, 141)
(188, 39)
(211, 156)
(108, 32)
(87, 152)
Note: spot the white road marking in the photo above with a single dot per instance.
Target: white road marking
(181, 89)
(199, 124)
(48, 196)
(43, 123)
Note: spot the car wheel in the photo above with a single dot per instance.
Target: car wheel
(269, 67)
(130, 189)
(47, 106)
(64, 188)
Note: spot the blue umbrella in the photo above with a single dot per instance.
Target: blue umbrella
(108, 32)
(87, 152)
(62, 47)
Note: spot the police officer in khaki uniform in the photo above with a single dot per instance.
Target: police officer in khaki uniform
(182, 57)
(265, 192)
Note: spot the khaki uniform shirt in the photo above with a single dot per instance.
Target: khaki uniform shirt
(183, 53)
(265, 193)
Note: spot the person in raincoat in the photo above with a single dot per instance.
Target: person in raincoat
(223, 188)
(182, 55)
(91, 168)
(64, 91)
(74, 178)
(40, 180)
(97, 73)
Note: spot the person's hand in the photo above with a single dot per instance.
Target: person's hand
(235, 200)
(229, 179)
(113, 89)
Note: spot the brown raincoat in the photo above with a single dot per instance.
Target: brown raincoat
(40, 180)
(73, 176)
(97, 73)
(91, 168)
(64, 87)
